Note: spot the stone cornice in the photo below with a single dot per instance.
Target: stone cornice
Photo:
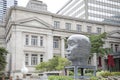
(63, 17)
(19, 22)
(113, 32)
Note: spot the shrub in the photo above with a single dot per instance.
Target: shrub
(93, 78)
(71, 73)
(59, 78)
(89, 71)
(103, 79)
(88, 74)
(105, 74)
(115, 73)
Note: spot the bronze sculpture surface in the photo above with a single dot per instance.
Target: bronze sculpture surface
(78, 49)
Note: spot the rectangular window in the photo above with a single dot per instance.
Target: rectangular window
(89, 29)
(56, 43)
(41, 58)
(68, 26)
(34, 59)
(34, 40)
(41, 41)
(56, 24)
(27, 40)
(99, 30)
(112, 47)
(116, 47)
(26, 59)
(78, 28)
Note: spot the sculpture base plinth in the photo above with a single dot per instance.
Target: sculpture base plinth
(81, 67)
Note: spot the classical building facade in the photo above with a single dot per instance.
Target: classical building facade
(2, 35)
(97, 10)
(33, 36)
(36, 36)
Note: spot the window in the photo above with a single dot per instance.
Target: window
(34, 59)
(116, 47)
(27, 40)
(34, 40)
(41, 58)
(41, 41)
(78, 27)
(112, 47)
(89, 29)
(68, 26)
(99, 30)
(56, 43)
(26, 59)
(56, 24)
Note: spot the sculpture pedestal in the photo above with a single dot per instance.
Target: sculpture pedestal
(81, 67)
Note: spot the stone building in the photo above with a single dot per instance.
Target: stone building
(33, 36)
(2, 35)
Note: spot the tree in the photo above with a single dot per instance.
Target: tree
(97, 43)
(56, 63)
(3, 53)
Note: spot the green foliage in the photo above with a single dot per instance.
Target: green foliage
(115, 73)
(103, 79)
(59, 78)
(93, 78)
(3, 53)
(88, 74)
(61, 63)
(89, 71)
(71, 73)
(105, 74)
(56, 63)
(97, 43)
(43, 66)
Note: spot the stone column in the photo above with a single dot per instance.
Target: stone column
(94, 60)
(29, 40)
(38, 58)
(62, 47)
(103, 63)
(18, 55)
(113, 47)
(29, 59)
(49, 48)
(38, 41)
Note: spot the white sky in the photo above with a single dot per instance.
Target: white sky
(53, 5)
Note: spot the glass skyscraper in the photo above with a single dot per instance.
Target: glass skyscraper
(3, 7)
(98, 10)
(4, 4)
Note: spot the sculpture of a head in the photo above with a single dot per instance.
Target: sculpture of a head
(78, 49)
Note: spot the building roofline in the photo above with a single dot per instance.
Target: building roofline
(61, 16)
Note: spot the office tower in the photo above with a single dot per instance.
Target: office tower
(4, 4)
(3, 7)
(98, 10)
(11, 3)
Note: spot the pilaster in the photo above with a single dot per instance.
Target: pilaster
(49, 52)
(62, 46)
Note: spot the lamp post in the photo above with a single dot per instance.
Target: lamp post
(24, 71)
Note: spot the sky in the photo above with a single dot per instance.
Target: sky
(53, 5)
